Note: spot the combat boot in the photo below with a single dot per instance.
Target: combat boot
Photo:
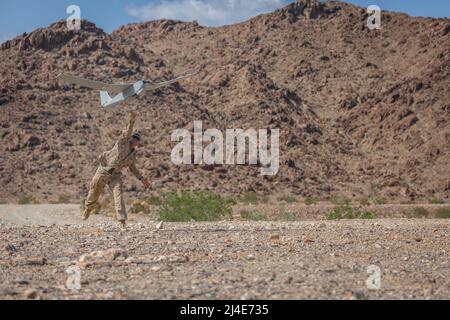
(122, 225)
(86, 214)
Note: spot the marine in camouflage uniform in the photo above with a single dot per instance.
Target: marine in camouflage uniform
(109, 172)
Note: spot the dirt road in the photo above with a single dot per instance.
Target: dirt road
(45, 248)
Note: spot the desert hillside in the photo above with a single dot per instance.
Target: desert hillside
(361, 112)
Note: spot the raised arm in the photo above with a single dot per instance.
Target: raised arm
(128, 131)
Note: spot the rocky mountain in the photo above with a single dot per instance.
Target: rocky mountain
(361, 113)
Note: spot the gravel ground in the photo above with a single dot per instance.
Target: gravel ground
(224, 260)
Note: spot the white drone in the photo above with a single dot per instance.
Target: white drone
(119, 92)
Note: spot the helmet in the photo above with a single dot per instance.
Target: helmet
(136, 136)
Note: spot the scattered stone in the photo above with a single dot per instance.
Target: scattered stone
(87, 116)
(11, 249)
(178, 258)
(359, 295)
(21, 282)
(36, 261)
(32, 141)
(100, 257)
(130, 260)
(31, 294)
(275, 237)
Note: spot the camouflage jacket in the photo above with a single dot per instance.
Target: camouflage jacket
(121, 155)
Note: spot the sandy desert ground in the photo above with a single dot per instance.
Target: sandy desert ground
(45, 246)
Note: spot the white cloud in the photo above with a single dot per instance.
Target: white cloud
(206, 12)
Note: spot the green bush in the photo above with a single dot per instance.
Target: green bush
(309, 201)
(443, 213)
(437, 201)
(154, 201)
(346, 211)
(252, 215)
(249, 198)
(340, 201)
(197, 206)
(231, 200)
(26, 199)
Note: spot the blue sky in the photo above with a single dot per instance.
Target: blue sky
(20, 16)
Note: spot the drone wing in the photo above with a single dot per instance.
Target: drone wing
(112, 89)
(153, 86)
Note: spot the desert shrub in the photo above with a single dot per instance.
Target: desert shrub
(252, 215)
(443, 213)
(26, 199)
(263, 198)
(154, 201)
(253, 198)
(380, 200)
(197, 206)
(231, 200)
(63, 198)
(288, 198)
(284, 215)
(249, 198)
(437, 201)
(140, 206)
(309, 201)
(340, 201)
(346, 211)
(364, 201)
(418, 212)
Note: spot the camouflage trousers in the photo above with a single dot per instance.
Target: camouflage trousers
(114, 182)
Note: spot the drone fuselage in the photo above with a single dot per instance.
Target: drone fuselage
(133, 90)
(119, 92)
